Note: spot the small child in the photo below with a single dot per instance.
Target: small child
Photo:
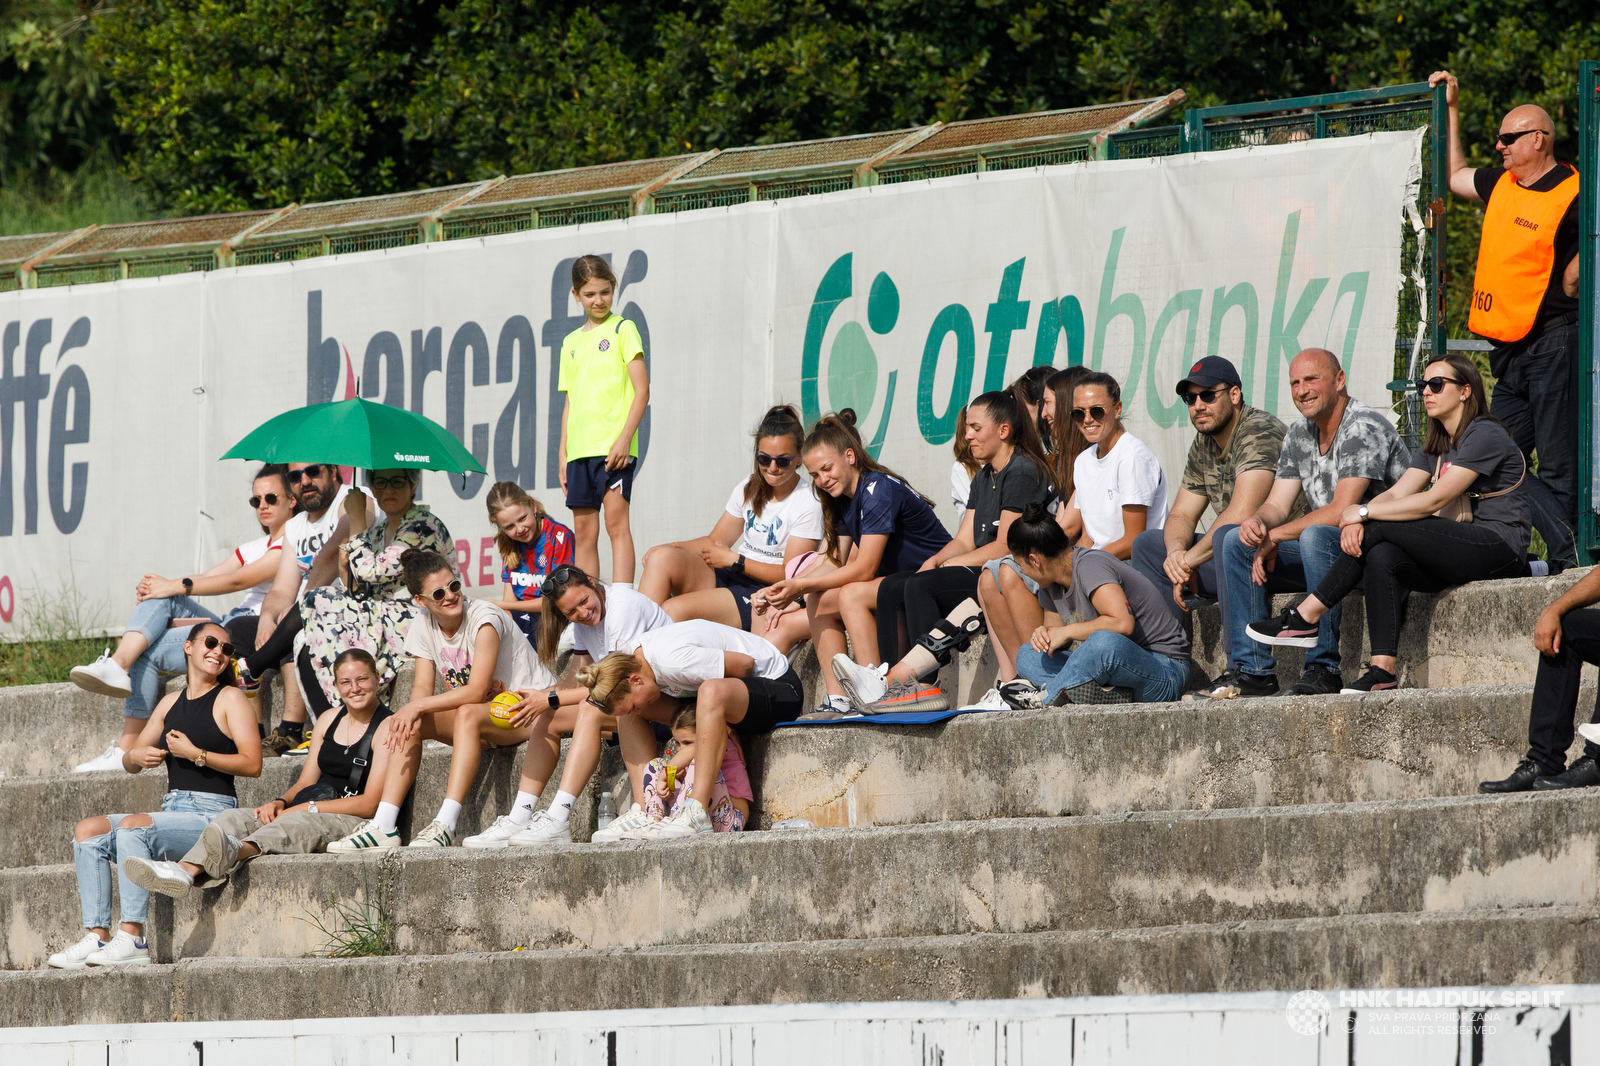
(532, 545)
(667, 784)
(607, 387)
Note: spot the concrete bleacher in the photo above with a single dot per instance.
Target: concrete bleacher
(1192, 846)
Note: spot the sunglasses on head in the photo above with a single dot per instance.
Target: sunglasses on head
(212, 642)
(310, 472)
(559, 576)
(1081, 415)
(1508, 139)
(1207, 396)
(1436, 384)
(271, 499)
(438, 593)
(780, 461)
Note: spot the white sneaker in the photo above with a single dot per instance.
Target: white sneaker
(367, 837)
(865, 685)
(435, 836)
(155, 875)
(647, 829)
(497, 835)
(621, 827)
(1590, 732)
(542, 829)
(992, 701)
(124, 950)
(73, 958)
(110, 759)
(104, 677)
(690, 820)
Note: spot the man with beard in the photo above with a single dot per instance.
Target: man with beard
(1230, 469)
(1341, 454)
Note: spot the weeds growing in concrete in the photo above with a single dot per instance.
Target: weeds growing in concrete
(358, 929)
(56, 630)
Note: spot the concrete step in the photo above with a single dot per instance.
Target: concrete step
(1541, 945)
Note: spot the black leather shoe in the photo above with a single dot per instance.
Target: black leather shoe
(1583, 773)
(1521, 779)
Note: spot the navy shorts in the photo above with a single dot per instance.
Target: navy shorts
(528, 622)
(743, 587)
(771, 703)
(588, 481)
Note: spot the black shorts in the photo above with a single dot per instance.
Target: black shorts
(743, 587)
(588, 481)
(771, 702)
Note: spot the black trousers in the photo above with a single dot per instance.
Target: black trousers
(1555, 692)
(913, 602)
(279, 647)
(1428, 555)
(1537, 399)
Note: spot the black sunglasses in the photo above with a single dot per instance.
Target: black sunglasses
(561, 575)
(310, 471)
(1436, 384)
(271, 498)
(1508, 139)
(212, 642)
(1204, 396)
(438, 593)
(780, 461)
(1081, 415)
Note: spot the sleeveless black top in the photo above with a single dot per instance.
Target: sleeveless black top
(338, 761)
(193, 719)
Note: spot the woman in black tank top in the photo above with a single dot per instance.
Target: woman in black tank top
(206, 735)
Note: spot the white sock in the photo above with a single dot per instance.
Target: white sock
(522, 808)
(387, 817)
(449, 811)
(622, 584)
(839, 703)
(561, 807)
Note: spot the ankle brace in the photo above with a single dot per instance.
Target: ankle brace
(950, 635)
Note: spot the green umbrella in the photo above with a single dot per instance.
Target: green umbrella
(372, 436)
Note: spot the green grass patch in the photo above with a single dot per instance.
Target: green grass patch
(45, 662)
(56, 202)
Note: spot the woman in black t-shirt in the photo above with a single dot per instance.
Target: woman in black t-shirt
(1399, 540)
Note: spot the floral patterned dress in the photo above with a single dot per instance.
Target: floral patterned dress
(374, 611)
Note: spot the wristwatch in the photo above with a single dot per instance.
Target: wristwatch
(553, 699)
(200, 760)
(1362, 511)
(311, 808)
(738, 564)
(188, 585)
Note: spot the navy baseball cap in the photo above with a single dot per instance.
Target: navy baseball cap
(1211, 371)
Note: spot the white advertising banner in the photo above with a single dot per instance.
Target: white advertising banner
(901, 301)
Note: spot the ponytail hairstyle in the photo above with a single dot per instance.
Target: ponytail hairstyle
(1036, 532)
(839, 433)
(780, 421)
(552, 623)
(962, 448)
(588, 267)
(227, 677)
(419, 564)
(1474, 407)
(607, 680)
(1029, 390)
(1007, 410)
(505, 494)
(1065, 434)
(1102, 379)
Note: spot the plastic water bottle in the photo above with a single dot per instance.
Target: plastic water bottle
(608, 809)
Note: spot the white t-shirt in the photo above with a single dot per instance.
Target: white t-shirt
(960, 489)
(629, 615)
(686, 655)
(247, 554)
(1129, 476)
(766, 534)
(305, 537)
(516, 667)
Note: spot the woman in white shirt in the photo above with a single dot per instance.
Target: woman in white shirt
(1119, 490)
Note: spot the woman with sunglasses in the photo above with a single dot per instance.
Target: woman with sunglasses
(1119, 490)
(1459, 514)
(166, 608)
(206, 735)
(771, 516)
(479, 652)
(369, 608)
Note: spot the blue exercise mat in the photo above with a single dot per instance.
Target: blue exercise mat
(899, 717)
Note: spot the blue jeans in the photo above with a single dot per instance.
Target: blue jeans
(153, 618)
(1149, 557)
(1109, 659)
(172, 831)
(1301, 565)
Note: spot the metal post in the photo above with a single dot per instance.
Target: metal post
(1588, 216)
(1437, 206)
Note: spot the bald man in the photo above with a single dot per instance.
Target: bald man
(1525, 301)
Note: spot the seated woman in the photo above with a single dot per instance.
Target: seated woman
(1119, 490)
(736, 679)
(1130, 647)
(153, 643)
(962, 470)
(874, 525)
(531, 544)
(370, 608)
(338, 790)
(480, 653)
(1404, 538)
(603, 621)
(207, 736)
(668, 783)
(771, 517)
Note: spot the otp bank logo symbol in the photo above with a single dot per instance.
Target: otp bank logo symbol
(852, 365)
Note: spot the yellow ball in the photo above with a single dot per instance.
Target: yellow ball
(500, 708)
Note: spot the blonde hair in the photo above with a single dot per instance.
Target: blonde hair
(607, 680)
(505, 494)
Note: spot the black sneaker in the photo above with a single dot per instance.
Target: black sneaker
(1521, 779)
(1021, 694)
(1375, 679)
(1236, 683)
(1317, 680)
(1583, 773)
(1092, 692)
(1288, 630)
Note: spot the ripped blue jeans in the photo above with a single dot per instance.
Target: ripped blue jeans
(172, 831)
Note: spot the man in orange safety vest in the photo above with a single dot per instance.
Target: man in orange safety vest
(1525, 302)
